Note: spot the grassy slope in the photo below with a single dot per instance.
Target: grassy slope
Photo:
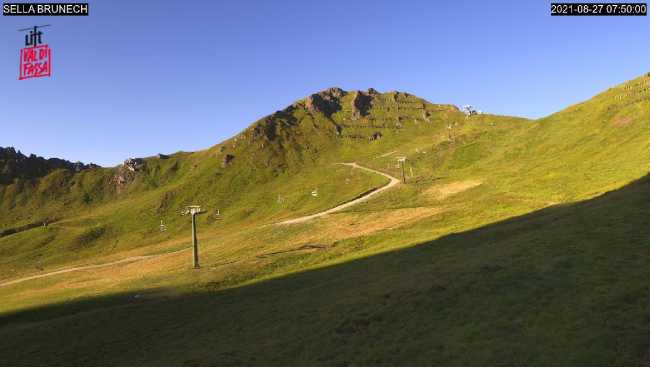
(485, 296)
(271, 178)
(563, 287)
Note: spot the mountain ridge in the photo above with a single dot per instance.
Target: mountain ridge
(14, 164)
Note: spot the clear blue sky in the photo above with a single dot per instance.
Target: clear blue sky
(140, 77)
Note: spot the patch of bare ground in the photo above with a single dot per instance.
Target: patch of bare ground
(440, 192)
(303, 248)
(349, 225)
(621, 121)
(387, 154)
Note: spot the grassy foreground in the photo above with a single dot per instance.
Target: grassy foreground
(564, 286)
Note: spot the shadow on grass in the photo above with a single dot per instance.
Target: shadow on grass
(564, 286)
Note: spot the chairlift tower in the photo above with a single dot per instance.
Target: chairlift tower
(194, 210)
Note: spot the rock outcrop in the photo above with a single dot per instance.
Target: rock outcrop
(362, 102)
(134, 164)
(227, 160)
(121, 178)
(375, 136)
(127, 171)
(326, 102)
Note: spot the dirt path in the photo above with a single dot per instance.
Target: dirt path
(387, 154)
(88, 267)
(393, 182)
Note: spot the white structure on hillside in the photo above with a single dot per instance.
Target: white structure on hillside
(469, 110)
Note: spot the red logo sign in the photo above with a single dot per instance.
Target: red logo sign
(35, 62)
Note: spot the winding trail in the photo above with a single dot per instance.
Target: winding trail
(88, 267)
(393, 182)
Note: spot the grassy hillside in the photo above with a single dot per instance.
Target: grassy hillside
(564, 286)
(500, 249)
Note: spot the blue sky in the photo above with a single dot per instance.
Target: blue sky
(140, 77)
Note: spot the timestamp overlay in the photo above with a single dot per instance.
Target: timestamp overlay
(599, 9)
